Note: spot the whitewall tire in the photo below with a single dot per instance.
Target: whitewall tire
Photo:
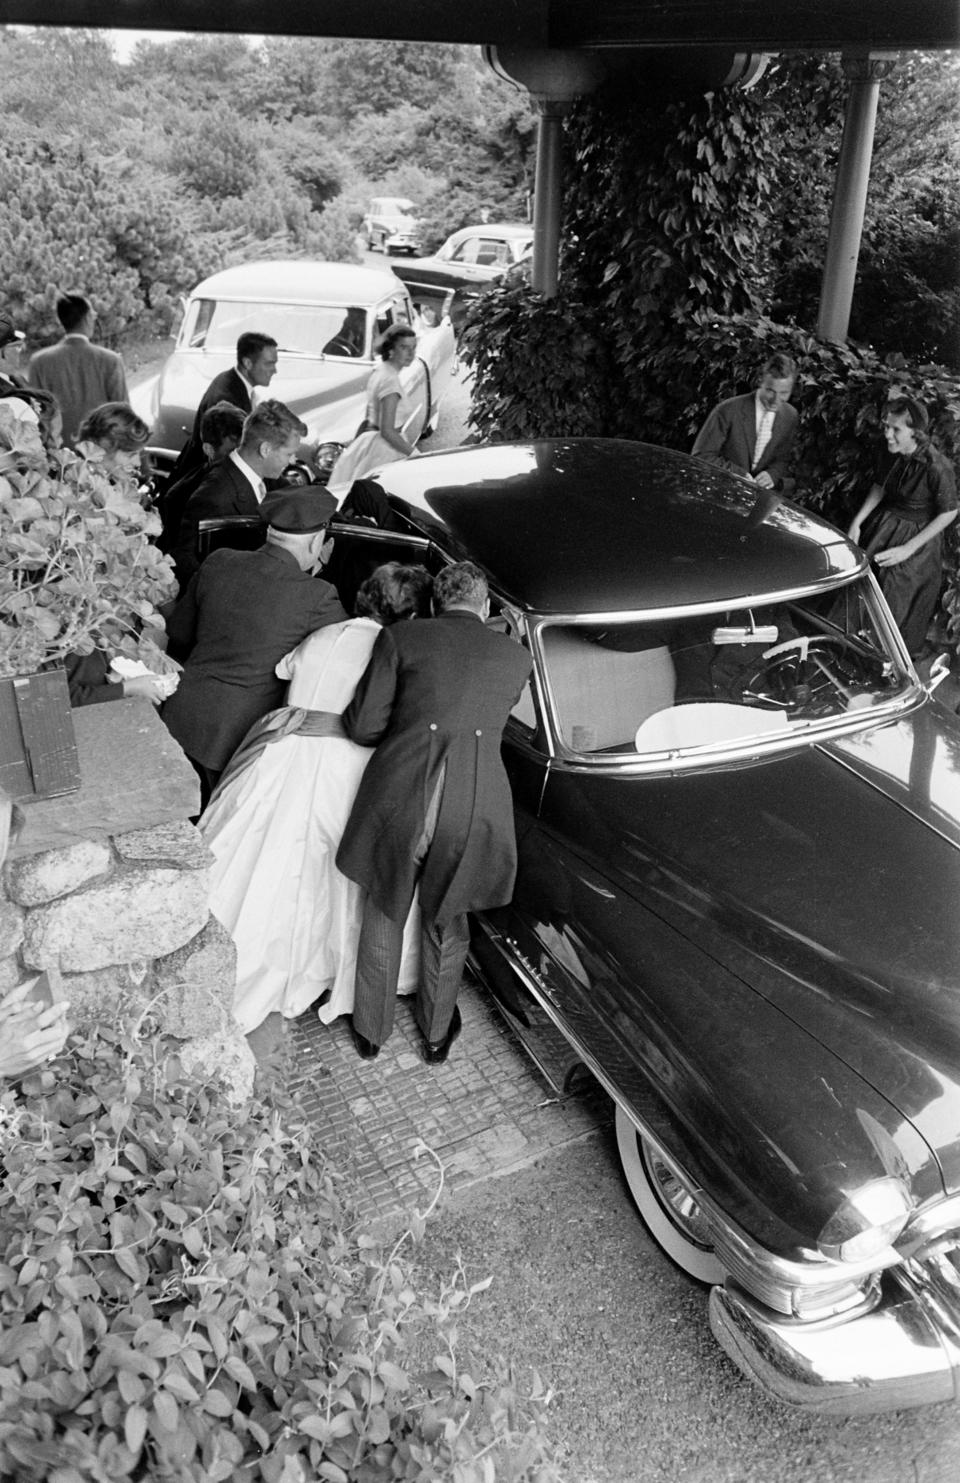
(670, 1212)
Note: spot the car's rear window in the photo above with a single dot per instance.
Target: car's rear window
(718, 679)
(299, 329)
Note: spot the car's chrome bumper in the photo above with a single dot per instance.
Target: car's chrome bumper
(904, 1352)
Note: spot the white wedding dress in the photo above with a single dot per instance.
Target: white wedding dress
(274, 832)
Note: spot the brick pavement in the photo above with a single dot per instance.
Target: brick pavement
(489, 1110)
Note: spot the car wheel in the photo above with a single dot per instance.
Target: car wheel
(670, 1212)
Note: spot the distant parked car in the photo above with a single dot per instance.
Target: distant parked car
(327, 319)
(466, 263)
(390, 225)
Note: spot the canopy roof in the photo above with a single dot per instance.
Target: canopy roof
(747, 25)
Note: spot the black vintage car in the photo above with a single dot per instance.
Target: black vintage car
(738, 818)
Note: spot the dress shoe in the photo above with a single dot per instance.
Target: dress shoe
(436, 1051)
(365, 1048)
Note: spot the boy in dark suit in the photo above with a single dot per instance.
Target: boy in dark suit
(434, 808)
(753, 434)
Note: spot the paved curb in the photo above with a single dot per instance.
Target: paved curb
(388, 1124)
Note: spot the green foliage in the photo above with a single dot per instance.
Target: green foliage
(541, 366)
(185, 1298)
(108, 190)
(222, 159)
(667, 214)
(77, 570)
(70, 223)
(907, 293)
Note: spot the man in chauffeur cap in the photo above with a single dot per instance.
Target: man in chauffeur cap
(241, 612)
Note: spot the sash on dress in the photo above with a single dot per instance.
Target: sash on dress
(289, 720)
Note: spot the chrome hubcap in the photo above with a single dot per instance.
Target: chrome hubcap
(677, 1200)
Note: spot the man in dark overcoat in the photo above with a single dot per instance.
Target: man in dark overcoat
(241, 613)
(256, 366)
(434, 808)
(753, 434)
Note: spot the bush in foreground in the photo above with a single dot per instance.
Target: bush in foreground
(183, 1298)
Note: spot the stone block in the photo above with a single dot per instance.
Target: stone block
(37, 879)
(100, 995)
(196, 984)
(229, 1056)
(11, 973)
(180, 843)
(11, 927)
(135, 914)
(133, 776)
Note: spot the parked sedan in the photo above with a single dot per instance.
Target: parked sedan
(466, 263)
(391, 225)
(327, 319)
(738, 822)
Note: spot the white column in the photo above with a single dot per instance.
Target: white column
(850, 191)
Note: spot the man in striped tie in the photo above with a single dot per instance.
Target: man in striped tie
(752, 435)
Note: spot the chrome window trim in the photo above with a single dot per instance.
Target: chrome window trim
(714, 754)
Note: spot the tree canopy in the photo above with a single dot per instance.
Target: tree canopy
(131, 180)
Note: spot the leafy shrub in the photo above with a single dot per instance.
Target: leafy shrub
(183, 1298)
(541, 366)
(77, 568)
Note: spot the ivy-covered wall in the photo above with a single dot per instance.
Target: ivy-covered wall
(672, 233)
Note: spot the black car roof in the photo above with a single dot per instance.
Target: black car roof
(586, 525)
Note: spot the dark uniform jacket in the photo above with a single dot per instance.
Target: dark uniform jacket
(230, 387)
(224, 492)
(240, 614)
(436, 693)
(729, 436)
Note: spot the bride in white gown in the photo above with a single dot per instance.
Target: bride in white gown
(275, 822)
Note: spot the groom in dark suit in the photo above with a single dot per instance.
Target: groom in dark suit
(433, 809)
(256, 366)
(753, 434)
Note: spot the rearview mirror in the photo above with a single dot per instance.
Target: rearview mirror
(767, 633)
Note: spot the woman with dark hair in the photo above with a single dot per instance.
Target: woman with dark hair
(382, 436)
(115, 428)
(901, 522)
(274, 822)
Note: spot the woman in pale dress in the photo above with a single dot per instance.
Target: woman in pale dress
(381, 438)
(275, 821)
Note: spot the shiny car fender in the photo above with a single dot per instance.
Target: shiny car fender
(679, 991)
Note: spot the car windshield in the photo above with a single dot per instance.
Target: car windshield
(709, 680)
(299, 329)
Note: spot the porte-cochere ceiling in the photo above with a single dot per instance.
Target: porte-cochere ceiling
(752, 25)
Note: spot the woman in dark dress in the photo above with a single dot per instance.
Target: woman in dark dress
(901, 522)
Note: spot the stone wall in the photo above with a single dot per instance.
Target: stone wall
(108, 888)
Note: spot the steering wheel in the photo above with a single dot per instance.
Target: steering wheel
(339, 345)
(807, 675)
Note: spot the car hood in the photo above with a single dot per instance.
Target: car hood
(327, 395)
(785, 872)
